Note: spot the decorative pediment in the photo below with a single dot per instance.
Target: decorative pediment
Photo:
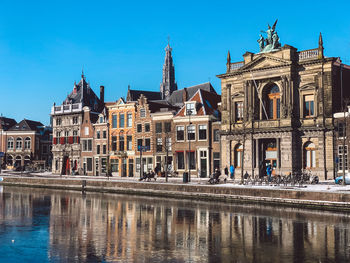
(237, 95)
(265, 61)
(308, 87)
(121, 101)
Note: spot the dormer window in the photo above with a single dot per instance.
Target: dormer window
(101, 119)
(190, 108)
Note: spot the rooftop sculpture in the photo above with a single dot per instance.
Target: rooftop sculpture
(271, 42)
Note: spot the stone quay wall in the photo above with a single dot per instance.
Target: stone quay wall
(333, 201)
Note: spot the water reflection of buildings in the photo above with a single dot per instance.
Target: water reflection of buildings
(112, 227)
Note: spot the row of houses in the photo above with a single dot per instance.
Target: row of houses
(173, 130)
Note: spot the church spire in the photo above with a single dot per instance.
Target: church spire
(168, 84)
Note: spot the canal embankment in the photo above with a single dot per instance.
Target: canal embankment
(325, 197)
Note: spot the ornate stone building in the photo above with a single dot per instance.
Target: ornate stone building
(277, 107)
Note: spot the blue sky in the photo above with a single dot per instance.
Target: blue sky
(45, 44)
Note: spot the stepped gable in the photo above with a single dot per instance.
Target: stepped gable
(177, 97)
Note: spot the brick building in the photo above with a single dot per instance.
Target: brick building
(27, 143)
(196, 126)
(101, 145)
(121, 116)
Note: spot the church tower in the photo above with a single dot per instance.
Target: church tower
(168, 84)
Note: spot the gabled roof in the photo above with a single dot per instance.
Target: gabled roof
(82, 93)
(134, 95)
(6, 123)
(27, 125)
(177, 97)
(206, 104)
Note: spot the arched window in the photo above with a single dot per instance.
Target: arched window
(19, 143)
(27, 143)
(272, 102)
(10, 142)
(238, 154)
(309, 155)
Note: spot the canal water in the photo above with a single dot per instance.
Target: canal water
(38, 225)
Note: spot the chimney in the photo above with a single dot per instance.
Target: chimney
(102, 94)
(184, 95)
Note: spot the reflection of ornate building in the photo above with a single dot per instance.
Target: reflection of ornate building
(277, 108)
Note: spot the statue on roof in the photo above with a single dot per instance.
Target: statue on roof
(271, 42)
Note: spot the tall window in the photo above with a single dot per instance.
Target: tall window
(343, 158)
(27, 143)
(104, 134)
(114, 121)
(87, 145)
(341, 129)
(104, 149)
(168, 143)
(139, 127)
(139, 144)
(308, 106)
(180, 133)
(167, 127)
(121, 143)
(216, 159)
(159, 145)
(114, 143)
(148, 144)
(147, 127)
(310, 155)
(238, 155)
(202, 130)
(180, 161)
(129, 142)
(191, 132)
(129, 120)
(101, 119)
(192, 159)
(58, 121)
(216, 135)
(98, 134)
(239, 111)
(19, 143)
(10, 143)
(75, 120)
(98, 149)
(158, 127)
(121, 120)
(75, 136)
(272, 102)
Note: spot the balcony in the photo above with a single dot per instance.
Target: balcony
(66, 109)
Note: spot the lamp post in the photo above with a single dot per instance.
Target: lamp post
(189, 113)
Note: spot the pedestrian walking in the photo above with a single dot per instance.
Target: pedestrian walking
(269, 172)
(226, 171)
(232, 172)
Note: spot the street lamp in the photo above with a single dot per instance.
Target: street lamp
(189, 113)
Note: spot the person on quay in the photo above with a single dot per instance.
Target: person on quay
(269, 172)
(232, 172)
